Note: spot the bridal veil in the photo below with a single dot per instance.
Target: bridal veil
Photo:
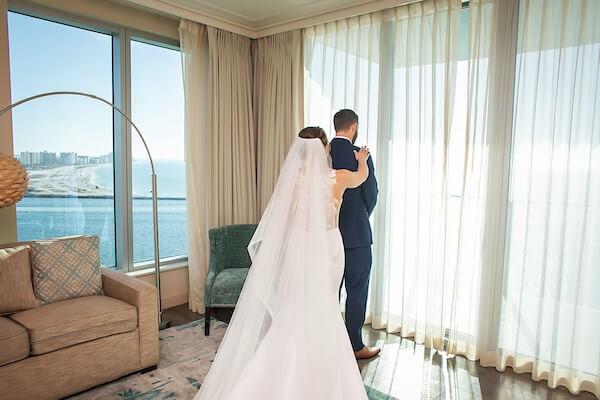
(288, 281)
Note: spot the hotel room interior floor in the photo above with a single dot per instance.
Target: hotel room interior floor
(406, 370)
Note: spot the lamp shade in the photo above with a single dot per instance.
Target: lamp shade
(13, 180)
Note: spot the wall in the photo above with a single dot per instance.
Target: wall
(174, 282)
(112, 12)
(8, 224)
(173, 286)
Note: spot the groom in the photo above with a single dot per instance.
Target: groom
(357, 206)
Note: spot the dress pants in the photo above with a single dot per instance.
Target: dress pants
(357, 272)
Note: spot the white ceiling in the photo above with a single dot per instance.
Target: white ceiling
(257, 18)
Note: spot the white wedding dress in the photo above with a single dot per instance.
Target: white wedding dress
(287, 339)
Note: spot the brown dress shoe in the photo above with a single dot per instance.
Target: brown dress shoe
(365, 353)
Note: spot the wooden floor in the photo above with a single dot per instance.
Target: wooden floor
(406, 370)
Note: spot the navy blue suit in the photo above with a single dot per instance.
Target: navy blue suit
(357, 206)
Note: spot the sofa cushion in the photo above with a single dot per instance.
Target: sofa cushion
(66, 268)
(16, 290)
(228, 286)
(14, 342)
(70, 322)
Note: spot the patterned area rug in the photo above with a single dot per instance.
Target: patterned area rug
(185, 358)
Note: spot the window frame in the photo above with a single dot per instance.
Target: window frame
(122, 130)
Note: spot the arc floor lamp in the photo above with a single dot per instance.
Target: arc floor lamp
(161, 323)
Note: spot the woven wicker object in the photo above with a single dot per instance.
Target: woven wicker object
(13, 180)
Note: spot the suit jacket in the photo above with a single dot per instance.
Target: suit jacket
(358, 203)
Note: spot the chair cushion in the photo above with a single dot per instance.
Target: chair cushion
(16, 290)
(70, 322)
(228, 286)
(66, 268)
(14, 342)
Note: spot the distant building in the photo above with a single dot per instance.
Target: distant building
(47, 158)
(107, 159)
(68, 158)
(25, 160)
(31, 158)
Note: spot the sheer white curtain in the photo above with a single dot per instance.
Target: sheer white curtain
(549, 320)
(342, 70)
(398, 70)
(484, 125)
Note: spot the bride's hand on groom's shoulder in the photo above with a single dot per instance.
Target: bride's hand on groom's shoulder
(362, 154)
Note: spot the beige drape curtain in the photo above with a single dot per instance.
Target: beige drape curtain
(278, 104)
(232, 189)
(194, 53)
(229, 80)
(220, 144)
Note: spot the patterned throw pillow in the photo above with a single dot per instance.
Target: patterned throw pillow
(66, 268)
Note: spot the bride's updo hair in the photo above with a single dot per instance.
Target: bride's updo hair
(314, 132)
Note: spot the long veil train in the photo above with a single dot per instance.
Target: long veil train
(289, 300)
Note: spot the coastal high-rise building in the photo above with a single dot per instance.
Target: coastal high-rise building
(32, 158)
(47, 158)
(25, 158)
(68, 158)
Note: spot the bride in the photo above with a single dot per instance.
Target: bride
(286, 339)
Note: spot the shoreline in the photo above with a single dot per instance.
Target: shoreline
(73, 181)
(74, 196)
(68, 180)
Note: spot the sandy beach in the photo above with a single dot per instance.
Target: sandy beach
(71, 180)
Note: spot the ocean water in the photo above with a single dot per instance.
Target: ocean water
(49, 217)
(170, 177)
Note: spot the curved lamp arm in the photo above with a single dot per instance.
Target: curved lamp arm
(154, 195)
(37, 96)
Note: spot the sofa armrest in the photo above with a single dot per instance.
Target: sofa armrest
(144, 297)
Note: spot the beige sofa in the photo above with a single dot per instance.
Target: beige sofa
(58, 349)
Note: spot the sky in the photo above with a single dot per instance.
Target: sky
(48, 56)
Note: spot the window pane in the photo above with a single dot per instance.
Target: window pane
(157, 110)
(64, 142)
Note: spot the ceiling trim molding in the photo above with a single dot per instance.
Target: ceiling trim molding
(255, 32)
(197, 16)
(321, 18)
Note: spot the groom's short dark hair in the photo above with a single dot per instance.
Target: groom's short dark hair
(344, 119)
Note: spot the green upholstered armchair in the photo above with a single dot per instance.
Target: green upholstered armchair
(228, 267)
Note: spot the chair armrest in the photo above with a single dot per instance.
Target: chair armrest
(217, 261)
(143, 296)
(210, 280)
(228, 249)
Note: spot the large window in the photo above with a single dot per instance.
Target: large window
(63, 142)
(156, 74)
(89, 173)
(488, 219)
